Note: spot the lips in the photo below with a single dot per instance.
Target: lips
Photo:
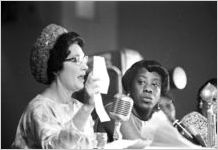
(81, 77)
(147, 98)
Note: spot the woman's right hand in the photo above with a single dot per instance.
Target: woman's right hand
(91, 88)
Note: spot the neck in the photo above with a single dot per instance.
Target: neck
(57, 92)
(144, 114)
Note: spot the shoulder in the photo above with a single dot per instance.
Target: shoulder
(40, 107)
(35, 111)
(39, 102)
(159, 116)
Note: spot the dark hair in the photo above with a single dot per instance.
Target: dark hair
(151, 66)
(60, 52)
(212, 81)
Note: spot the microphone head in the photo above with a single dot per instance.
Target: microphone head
(121, 107)
(196, 124)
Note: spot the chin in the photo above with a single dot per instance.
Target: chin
(79, 87)
(145, 106)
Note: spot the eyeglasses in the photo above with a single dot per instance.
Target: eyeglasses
(78, 60)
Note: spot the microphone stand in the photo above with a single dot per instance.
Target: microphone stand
(117, 134)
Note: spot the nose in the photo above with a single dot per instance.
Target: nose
(84, 66)
(147, 89)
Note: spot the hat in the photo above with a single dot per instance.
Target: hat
(41, 49)
(151, 66)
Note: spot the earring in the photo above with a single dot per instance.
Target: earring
(158, 106)
(200, 104)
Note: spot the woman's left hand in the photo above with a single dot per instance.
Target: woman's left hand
(91, 88)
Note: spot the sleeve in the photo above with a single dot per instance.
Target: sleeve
(52, 134)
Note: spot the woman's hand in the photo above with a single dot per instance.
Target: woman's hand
(91, 88)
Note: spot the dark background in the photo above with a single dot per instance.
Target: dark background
(174, 33)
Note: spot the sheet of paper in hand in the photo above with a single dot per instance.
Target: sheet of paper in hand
(100, 72)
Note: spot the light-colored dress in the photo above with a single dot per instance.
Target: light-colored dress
(48, 124)
(148, 128)
(159, 132)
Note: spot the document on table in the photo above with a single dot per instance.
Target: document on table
(127, 144)
(167, 136)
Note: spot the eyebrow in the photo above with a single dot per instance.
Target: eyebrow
(141, 75)
(154, 79)
(77, 55)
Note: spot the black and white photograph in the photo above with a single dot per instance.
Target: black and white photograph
(109, 75)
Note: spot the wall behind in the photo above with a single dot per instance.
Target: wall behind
(174, 33)
(100, 32)
(22, 22)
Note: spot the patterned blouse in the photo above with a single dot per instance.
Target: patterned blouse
(48, 124)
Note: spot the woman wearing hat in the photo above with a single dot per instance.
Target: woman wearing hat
(202, 104)
(53, 119)
(207, 106)
(145, 82)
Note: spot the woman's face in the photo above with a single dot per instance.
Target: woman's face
(72, 74)
(146, 89)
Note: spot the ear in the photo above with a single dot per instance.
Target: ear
(56, 73)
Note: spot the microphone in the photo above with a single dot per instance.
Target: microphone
(120, 111)
(196, 124)
(169, 109)
(182, 130)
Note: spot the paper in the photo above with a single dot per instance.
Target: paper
(127, 144)
(120, 144)
(99, 107)
(168, 136)
(100, 72)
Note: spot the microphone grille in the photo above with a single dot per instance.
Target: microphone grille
(195, 120)
(122, 107)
